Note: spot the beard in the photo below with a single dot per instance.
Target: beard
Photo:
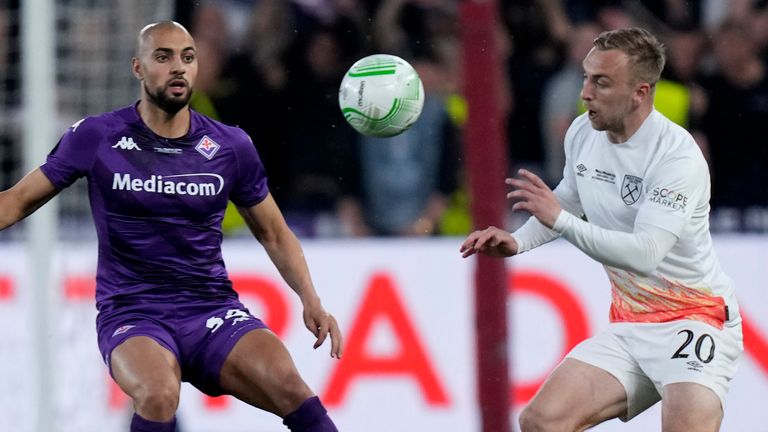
(612, 119)
(603, 124)
(168, 103)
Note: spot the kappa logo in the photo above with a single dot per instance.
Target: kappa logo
(630, 189)
(207, 147)
(122, 329)
(126, 143)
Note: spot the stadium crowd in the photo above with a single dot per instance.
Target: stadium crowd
(273, 67)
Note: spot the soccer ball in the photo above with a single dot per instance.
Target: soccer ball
(381, 95)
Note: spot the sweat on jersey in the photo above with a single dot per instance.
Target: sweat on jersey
(158, 203)
(657, 178)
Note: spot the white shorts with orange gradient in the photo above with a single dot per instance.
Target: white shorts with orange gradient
(645, 357)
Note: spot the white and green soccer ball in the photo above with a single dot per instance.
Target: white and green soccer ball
(381, 95)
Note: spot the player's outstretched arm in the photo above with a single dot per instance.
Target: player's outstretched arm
(640, 251)
(491, 241)
(26, 196)
(267, 224)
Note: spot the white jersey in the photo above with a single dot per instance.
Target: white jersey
(659, 178)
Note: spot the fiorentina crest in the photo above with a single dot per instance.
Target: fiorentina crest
(630, 189)
(207, 147)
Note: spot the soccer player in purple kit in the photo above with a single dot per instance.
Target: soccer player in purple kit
(159, 178)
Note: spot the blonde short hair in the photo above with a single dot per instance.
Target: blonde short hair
(647, 55)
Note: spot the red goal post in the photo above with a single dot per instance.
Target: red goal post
(486, 165)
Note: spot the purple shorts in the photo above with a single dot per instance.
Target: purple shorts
(199, 332)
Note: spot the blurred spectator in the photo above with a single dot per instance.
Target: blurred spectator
(673, 98)
(10, 97)
(323, 167)
(538, 29)
(209, 23)
(6, 147)
(735, 122)
(758, 21)
(561, 102)
(685, 49)
(677, 13)
(418, 28)
(253, 87)
(613, 14)
(282, 88)
(211, 34)
(273, 68)
(408, 179)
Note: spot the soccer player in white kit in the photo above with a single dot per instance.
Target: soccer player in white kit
(635, 197)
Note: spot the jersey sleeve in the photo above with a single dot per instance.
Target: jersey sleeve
(251, 182)
(674, 191)
(73, 155)
(533, 233)
(640, 251)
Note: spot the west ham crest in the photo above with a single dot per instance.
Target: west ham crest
(207, 147)
(631, 188)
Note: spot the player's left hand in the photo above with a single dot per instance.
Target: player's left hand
(535, 197)
(322, 324)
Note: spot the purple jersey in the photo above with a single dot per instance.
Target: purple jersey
(158, 203)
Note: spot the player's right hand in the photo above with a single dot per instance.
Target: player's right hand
(322, 324)
(491, 241)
